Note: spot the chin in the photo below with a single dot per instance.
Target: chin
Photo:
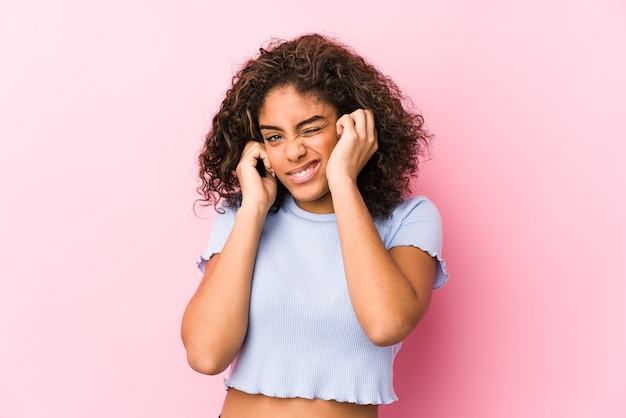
(309, 197)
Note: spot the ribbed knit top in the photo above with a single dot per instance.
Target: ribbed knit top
(303, 337)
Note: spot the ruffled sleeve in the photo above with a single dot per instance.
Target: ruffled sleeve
(222, 226)
(417, 222)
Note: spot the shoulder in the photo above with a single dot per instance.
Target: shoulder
(416, 207)
(225, 215)
(416, 221)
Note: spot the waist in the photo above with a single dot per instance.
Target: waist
(361, 375)
(239, 404)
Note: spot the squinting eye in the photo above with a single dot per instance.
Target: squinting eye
(311, 131)
(273, 138)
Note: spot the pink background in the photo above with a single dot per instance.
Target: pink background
(102, 110)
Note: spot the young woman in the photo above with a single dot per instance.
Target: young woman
(318, 264)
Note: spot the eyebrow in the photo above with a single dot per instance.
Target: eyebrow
(298, 126)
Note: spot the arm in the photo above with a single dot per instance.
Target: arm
(216, 319)
(389, 290)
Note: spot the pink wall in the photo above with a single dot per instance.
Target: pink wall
(102, 109)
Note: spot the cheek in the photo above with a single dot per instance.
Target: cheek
(272, 155)
(276, 162)
(330, 145)
(323, 144)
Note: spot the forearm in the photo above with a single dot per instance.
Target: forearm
(384, 300)
(216, 319)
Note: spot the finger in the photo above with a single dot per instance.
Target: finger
(359, 123)
(345, 124)
(339, 130)
(371, 126)
(266, 163)
(249, 149)
(262, 155)
(250, 155)
(253, 153)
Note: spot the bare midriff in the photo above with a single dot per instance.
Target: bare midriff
(244, 405)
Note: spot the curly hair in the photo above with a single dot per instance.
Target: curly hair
(337, 76)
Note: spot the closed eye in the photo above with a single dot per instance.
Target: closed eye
(311, 131)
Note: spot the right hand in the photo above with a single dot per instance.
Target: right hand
(256, 190)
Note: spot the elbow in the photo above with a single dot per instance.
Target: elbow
(390, 331)
(206, 364)
(386, 336)
(203, 356)
(204, 360)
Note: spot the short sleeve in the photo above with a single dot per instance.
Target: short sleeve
(220, 231)
(417, 223)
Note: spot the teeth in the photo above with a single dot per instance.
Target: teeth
(302, 173)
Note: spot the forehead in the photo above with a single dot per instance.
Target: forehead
(287, 104)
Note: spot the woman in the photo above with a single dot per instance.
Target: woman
(318, 264)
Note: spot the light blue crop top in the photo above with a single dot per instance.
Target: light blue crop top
(303, 337)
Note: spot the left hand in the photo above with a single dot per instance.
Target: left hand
(357, 143)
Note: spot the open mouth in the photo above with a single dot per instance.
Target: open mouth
(304, 174)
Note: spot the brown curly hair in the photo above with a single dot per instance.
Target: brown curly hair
(338, 76)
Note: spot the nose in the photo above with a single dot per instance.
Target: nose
(296, 149)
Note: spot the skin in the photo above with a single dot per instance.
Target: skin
(316, 155)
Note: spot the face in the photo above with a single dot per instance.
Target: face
(299, 133)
